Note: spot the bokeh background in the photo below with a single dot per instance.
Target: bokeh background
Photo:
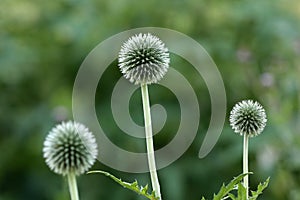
(255, 44)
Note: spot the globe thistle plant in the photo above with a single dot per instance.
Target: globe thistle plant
(247, 118)
(70, 149)
(144, 59)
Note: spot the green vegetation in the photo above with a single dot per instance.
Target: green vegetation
(255, 44)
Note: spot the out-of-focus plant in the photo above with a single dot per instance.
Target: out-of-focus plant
(70, 149)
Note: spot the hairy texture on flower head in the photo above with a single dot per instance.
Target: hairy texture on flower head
(248, 117)
(70, 147)
(143, 59)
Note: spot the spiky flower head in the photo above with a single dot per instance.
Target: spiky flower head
(248, 117)
(70, 148)
(144, 59)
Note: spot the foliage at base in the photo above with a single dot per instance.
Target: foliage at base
(131, 186)
(236, 191)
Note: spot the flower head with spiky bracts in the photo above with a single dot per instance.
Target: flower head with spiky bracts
(143, 59)
(248, 117)
(70, 148)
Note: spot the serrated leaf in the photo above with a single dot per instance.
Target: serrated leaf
(259, 190)
(144, 189)
(231, 186)
(131, 186)
(134, 184)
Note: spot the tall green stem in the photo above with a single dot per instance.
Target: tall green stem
(73, 186)
(149, 140)
(245, 164)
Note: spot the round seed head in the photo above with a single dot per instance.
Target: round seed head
(70, 147)
(248, 117)
(143, 59)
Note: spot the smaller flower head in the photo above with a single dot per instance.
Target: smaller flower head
(70, 147)
(144, 59)
(248, 118)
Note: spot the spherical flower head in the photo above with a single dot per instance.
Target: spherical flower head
(70, 148)
(144, 59)
(248, 118)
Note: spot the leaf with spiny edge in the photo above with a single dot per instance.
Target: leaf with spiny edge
(260, 189)
(131, 186)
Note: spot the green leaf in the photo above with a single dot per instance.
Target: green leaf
(241, 192)
(131, 186)
(259, 190)
(231, 186)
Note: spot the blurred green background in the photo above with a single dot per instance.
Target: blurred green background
(255, 44)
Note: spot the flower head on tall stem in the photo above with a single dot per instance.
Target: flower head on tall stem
(248, 118)
(70, 149)
(144, 59)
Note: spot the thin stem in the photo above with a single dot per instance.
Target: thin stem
(73, 186)
(245, 164)
(149, 140)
